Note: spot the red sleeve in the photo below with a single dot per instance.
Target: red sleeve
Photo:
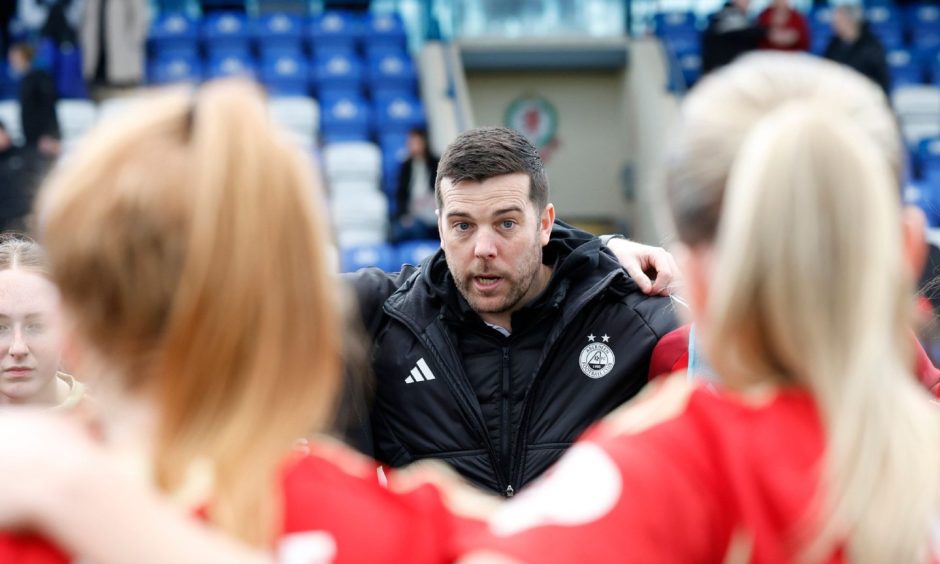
(335, 513)
(622, 494)
(671, 353)
(926, 372)
(29, 549)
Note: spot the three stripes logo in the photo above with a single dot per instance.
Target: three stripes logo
(420, 373)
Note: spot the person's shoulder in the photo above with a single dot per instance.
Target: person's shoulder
(29, 549)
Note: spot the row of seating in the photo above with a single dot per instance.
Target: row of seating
(387, 257)
(179, 33)
(293, 74)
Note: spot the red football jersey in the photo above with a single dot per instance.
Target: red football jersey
(335, 511)
(681, 475)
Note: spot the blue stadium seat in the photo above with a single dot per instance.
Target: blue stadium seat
(819, 40)
(226, 30)
(345, 118)
(820, 16)
(392, 72)
(285, 75)
(398, 114)
(925, 38)
(384, 29)
(378, 50)
(8, 82)
(684, 41)
(891, 37)
(669, 22)
(278, 33)
(928, 153)
(70, 82)
(170, 69)
(381, 256)
(690, 64)
(904, 67)
(338, 72)
(335, 29)
(923, 16)
(414, 252)
(173, 34)
(394, 147)
(882, 16)
(231, 66)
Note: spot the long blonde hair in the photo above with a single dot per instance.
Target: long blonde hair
(189, 247)
(810, 287)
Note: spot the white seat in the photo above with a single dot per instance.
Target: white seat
(916, 100)
(299, 116)
(356, 160)
(365, 212)
(353, 237)
(916, 130)
(76, 117)
(344, 188)
(10, 116)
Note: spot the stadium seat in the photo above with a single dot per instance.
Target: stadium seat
(345, 118)
(924, 38)
(226, 30)
(338, 73)
(115, 108)
(394, 152)
(8, 82)
(231, 66)
(285, 75)
(335, 29)
(353, 161)
(10, 116)
(384, 29)
(918, 110)
(364, 256)
(414, 252)
(68, 72)
(276, 33)
(667, 22)
(360, 217)
(172, 69)
(904, 67)
(398, 114)
(293, 7)
(299, 116)
(173, 34)
(928, 153)
(375, 51)
(690, 64)
(76, 117)
(392, 73)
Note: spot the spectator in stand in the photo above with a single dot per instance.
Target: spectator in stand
(730, 33)
(114, 36)
(415, 207)
(31, 336)
(37, 98)
(20, 173)
(817, 435)
(854, 45)
(53, 19)
(787, 29)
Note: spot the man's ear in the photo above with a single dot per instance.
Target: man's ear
(914, 223)
(546, 221)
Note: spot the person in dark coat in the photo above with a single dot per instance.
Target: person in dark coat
(37, 97)
(414, 196)
(730, 33)
(20, 173)
(855, 46)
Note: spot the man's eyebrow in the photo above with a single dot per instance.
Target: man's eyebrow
(511, 209)
(458, 213)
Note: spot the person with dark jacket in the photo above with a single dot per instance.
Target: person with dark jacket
(37, 98)
(414, 195)
(854, 45)
(730, 33)
(500, 349)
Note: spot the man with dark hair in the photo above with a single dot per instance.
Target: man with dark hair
(730, 34)
(500, 349)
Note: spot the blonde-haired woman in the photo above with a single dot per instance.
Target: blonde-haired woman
(190, 251)
(31, 339)
(819, 445)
